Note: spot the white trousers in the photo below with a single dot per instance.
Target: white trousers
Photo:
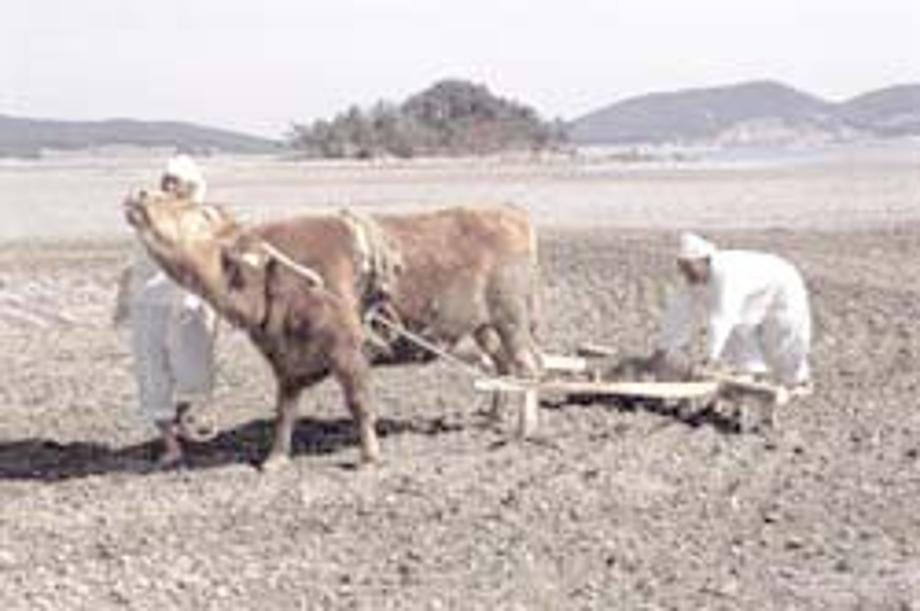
(173, 356)
(779, 345)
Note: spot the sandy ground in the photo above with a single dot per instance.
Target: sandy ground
(613, 506)
(75, 196)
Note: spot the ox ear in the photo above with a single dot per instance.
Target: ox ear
(242, 261)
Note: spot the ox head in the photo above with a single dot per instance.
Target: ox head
(205, 250)
(246, 271)
(184, 237)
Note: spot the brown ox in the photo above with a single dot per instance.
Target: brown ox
(301, 288)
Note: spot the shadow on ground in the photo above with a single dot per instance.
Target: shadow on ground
(49, 460)
(685, 413)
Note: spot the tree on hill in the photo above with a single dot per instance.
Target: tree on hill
(452, 117)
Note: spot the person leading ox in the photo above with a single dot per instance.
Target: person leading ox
(172, 330)
(756, 308)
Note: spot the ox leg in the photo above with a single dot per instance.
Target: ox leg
(352, 371)
(513, 307)
(287, 400)
(526, 364)
(489, 341)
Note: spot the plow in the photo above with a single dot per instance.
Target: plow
(596, 373)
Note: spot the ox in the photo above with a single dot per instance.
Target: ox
(301, 289)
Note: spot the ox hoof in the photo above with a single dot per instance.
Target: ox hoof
(275, 463)
(369, 460)
(366, 466)
(370, 446)
(370, 454)
(170, 462)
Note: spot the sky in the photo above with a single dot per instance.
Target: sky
(260, 65)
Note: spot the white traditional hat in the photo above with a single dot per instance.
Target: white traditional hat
(184, 169)
(694, 247)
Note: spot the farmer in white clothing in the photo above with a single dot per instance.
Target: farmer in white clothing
(756, 306)
(172, 330)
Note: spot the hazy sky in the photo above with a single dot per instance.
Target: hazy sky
(257, 65)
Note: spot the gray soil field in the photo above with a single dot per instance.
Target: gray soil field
(612, 506)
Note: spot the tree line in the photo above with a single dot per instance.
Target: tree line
(451, 117)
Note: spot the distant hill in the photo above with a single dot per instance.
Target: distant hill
(894, 111)
(760, 112)
(21, 137)
(452, 117)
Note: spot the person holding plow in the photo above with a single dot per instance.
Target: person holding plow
(756, 310)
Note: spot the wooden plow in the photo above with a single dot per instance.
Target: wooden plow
(576, 378)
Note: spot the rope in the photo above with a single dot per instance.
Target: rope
(294, 266)
(374, 315)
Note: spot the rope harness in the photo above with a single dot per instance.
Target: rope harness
(378, 258)
(379, 263)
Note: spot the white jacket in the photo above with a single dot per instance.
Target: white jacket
(744, 289)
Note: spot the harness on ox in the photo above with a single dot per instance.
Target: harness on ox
(379, 264)
(378, 258)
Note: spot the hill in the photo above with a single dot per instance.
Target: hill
(762, 112)
(22, 137)
(894, 111)
(452, 117)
